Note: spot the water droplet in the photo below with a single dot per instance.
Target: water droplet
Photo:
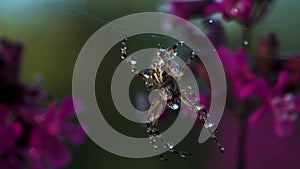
(162, 157)
(169, 145)
(148, 84)
(208, 124)
(133, 70)
(222, 149)
(151, 118)
(210, 21)
(181, 43)
(133, 62)
(154, 140)
(171, 150)
(124, 42)
(245, 43)
(183, 154)
(162, 50)
(173, 106)
(234, 11)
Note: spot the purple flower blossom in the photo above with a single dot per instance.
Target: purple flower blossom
(30, 135)
(271, 86)
(285, 111)
(284, 106)
(53, 127)
(243, 81)
(10, 130)
(231, 9)
(246, 12)
(188, 9)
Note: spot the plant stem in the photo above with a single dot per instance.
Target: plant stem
(242, 144)
(243, 118)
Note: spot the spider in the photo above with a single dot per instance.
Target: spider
(163, 75)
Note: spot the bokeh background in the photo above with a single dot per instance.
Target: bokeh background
(54, 31)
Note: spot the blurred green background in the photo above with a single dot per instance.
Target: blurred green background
(54, 31)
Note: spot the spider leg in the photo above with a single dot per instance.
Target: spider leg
(195, 105)
(154, 112)
(132, 61)
(191, 58)
(187, 64)
(123, 49)
(157, 107)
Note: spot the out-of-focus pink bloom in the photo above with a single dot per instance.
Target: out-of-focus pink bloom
(53, 128)
(243, 81)
(285, 107)
(30, 136)
(247, 12)
(38, 136)
(232, 9)
(188, 9)
(10, 130)
(244, 11)
(286, 111)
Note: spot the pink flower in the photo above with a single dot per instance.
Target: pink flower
(30, 136)
(285, 110)
(284, 106)
(232, 9)
(188, 9)
(243, 81)
(52, 129)
(10, 130)
(38, 136)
